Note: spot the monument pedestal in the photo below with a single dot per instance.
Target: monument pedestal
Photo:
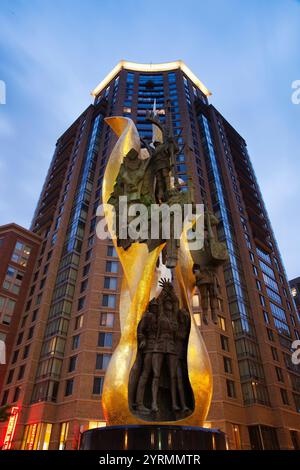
(152, 437)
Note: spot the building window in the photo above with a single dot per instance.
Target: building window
(224, 343)
(263, 438)
(230, 388)
(266, 317)
(222, 323)
(255, 271)
(16, 394)
(78, 322)
(102, 361)
(20, 338)
(98, 385)
(107, 319)
(69, 387)
(10, 376)
(84, 285)
(295, 439)
(227, 365)
(72, 363)
(75, 341)
(109, 300)
(97, 424)
(21, 372)
(64, 429)
(105, 340)
(45, 391)
(86, 269)
(21, 253)
(110, 283)
(80, 303)
(15, 356)
(13, 280)
(7, 307)
(5, 398)
(236, 436)
(274, 296)
(112, 266)
(45, 270)
(34, 316)
(279, 374)
(30, 333)
(262, 300)
(280, 319)
(294, 291)
(284, 396)
(270, 334)
(26, 351)
(274, 354)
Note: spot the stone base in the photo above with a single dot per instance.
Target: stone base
(152, 438)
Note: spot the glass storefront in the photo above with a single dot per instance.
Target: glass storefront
(37, 436)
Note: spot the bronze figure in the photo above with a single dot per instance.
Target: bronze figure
(206, 263)
(162, 348)
(147, 331)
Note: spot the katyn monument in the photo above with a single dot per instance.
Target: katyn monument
(158, 385)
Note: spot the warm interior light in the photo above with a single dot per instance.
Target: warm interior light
(96, 424)
(294, 291)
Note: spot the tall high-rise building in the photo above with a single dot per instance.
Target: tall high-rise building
(295, 291)
(74, 292)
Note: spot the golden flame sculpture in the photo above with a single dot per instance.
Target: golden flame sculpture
(138, 283)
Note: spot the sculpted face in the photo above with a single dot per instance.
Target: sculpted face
(132, 154)
(154, 309)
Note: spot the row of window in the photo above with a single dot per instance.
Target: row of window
(97, 386)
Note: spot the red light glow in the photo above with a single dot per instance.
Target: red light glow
(11, 427)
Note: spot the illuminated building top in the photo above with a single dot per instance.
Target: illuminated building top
(162, 67)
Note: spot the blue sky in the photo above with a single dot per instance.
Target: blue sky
(54, 52)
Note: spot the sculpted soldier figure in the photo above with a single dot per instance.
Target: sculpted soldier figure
(165, 348)
(209, 288)
(129, 179)
(147, 331)
(206, 262)
(162, 159)
(135, 181)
